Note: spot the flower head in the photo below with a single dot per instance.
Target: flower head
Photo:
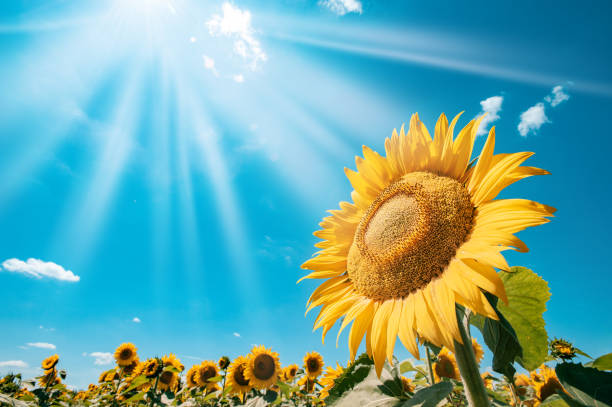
(313, 364)
(263, 368)
(126, 354)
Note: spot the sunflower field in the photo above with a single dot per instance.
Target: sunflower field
(416, 256)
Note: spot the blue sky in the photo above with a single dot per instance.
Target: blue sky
(175, 156)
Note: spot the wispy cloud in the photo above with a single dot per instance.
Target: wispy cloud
(236, 334)
(13, 363)
(136, 319)
(533, 118)
(491, 106)
(101, 358)
(235, 23)
(238, 78)
(41, 345)
(557, 96)
(39, 269)
(209, 64)
(342, 7)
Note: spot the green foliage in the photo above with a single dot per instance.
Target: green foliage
(429, 396)
(588, 386)
(353, 375)
(527, 296)
(602, 363)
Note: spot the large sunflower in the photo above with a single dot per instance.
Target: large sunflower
(50, 362)
(423, 233)
(263, 368)
(236, 378)
(125, 354)
(206, 371)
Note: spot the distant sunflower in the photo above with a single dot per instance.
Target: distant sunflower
(167, 380)
(313, 364)
(407, 385)
(206, 371)
(422, 234)
(48, 379)
(172, 360)
(478, 352)
(263, 368)
(191, 378)
(290, 372)
(487, 379)
(446, 366)
(521, 382)
(223, 362)
(125, 354)
(306, 383)
(131, 368)
(328, 379)
(152, 367)
(236, 378)
(50, 362)
(547, 386)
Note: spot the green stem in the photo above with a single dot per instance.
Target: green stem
(429, 367)
(154, 394)
(474, 386)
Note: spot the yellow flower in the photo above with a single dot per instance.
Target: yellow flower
(446, 366)
(168, 380)
(152, 367)
(263, 368)
(546, 385)
(192, 376)
(172, 360)
(130, 369)
(478, 352)
(313, 364)
(407, 385)
(236, 377)
(206, 370)
(50, 362)
(422, 234)
(48, 379)
(487, 380)
(521, 382)
(307, 383)
(328, 379)
(290, 372)
(125, 354)
(223, 362)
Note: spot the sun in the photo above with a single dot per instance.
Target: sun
(423, 233)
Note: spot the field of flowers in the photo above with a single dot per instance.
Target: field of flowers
(416, 256)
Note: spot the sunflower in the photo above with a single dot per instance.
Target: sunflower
(125, 354)
(172, 360)
(562, 349)
(446, 366)
(191, 378)
(206, 370)
(50, 362)
(328, 379)
(521, 383)
(236, 377)
(263, 368)
(167, 380)
(313, 364)
(290, 372)
(307, 384)
(422, 234)
(130, 369)
(48, 379)
(223, 362)
(407, 385)
(152, 367)
(478, 352)
(547, 386)
(487, 380)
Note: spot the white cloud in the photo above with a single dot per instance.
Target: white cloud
(557, 96)
(192, 39)
(236, 24)
(236, 334)
(13, 363)
(136, 319)
(41, 345)
(238, 78)
(209, 63)
(342, 7)
(532, 119)
(101, 358)
(39, 269)
(492, 106)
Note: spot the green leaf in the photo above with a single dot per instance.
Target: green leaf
(527, 296)
(501, 338)
(580, 352)
(216, 379)
(429, 396)
(602, 363)
(554, 401)
(137, 381)
(590, 387)
(136, 397)
(353, 375)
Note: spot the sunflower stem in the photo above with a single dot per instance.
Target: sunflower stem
(429, 367)
(468, 368)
